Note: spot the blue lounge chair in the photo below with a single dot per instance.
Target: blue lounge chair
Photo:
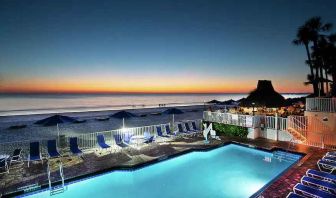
(159, 132)
(34, 152)
(293, 195)
(119, 142)
(4, 165)
(180, 129)
(190, 131)
(16, 157)
(326, 166)
(331, 154)
(329, 158)
(148, 137)
(101, 142)
(168, 131)
(74, 146)
(52, 149)
(186, 124)
(323, 185)
(311, 192)
(193, 124)
(321, 175)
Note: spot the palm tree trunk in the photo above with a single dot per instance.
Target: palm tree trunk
(315, 87)
(327, 83)
(321, 79)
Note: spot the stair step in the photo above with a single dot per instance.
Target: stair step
(57, 190)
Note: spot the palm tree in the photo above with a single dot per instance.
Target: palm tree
(316, 28)
(303, 37)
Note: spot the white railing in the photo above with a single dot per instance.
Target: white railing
(232, 119)
(89, 140)
(312, 130)
(85, 141)
(277, 123)
(321, 104)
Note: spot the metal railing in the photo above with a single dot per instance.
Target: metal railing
(321, 104)
(232, 119)
(313, 131)
(89, 140)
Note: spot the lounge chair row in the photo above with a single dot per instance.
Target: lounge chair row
(122, 141)
(316, 183)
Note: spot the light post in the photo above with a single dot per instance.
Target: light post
(253, 105)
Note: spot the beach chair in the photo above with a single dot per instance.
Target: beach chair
(101, 142)
(160, 133)
(193, 124)
(323, 185)
(311, 192)
(326, 166)
(190, 131)
(321, 175)
(119, 142)
(127, 138)
(16, 157)
(73, 141)
(148, 137)
(4, 165)
(331, 154)
(293, 195)
(181, 130)
(52, 149)
(329, 158)
(34, 152)
(168, 131)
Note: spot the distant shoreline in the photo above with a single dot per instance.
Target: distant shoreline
(13, 105)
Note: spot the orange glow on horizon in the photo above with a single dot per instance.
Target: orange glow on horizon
(193, 84)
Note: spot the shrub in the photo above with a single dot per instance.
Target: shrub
(230, 130)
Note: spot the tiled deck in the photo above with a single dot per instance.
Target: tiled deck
(21, 175)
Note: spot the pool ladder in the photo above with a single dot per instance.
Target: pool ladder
(60, 188)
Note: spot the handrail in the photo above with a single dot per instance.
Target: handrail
(321, 104)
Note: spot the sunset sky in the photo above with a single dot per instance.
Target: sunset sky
(154, 46)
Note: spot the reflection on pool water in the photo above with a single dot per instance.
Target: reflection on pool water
(229, 171)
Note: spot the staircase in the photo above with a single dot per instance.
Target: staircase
(59, 188)
(297, 127)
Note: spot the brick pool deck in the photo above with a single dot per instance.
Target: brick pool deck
(20, 175)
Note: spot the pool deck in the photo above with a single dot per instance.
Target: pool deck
(95, 162)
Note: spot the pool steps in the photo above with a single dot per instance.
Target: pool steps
(60, 188)
(285, 156)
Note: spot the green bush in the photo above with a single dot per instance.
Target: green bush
(230, 130)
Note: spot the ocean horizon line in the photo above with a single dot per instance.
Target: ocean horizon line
(127, 93)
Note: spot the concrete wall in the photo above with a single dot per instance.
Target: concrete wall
(269, 134)
(331, 123)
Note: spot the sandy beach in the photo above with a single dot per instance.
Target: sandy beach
(146, 116)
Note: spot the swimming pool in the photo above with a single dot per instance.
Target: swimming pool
(228, 171)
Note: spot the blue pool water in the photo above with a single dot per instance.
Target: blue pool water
(229, 171)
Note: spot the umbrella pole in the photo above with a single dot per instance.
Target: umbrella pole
(123, 123)
(57, 132)
(173, 123)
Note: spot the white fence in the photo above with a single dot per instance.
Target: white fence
(228, 118)
(270, 122)
(321, 104)
(89, 140)
(313, 130)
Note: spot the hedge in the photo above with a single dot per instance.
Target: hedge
(230, 130)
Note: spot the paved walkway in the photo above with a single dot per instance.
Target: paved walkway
(20, 175)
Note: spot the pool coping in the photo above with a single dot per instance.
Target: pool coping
(129, 168)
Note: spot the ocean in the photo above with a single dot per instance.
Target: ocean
(25, 104)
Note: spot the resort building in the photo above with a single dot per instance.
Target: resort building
(290, 145)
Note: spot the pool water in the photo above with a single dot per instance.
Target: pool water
(229, 171)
